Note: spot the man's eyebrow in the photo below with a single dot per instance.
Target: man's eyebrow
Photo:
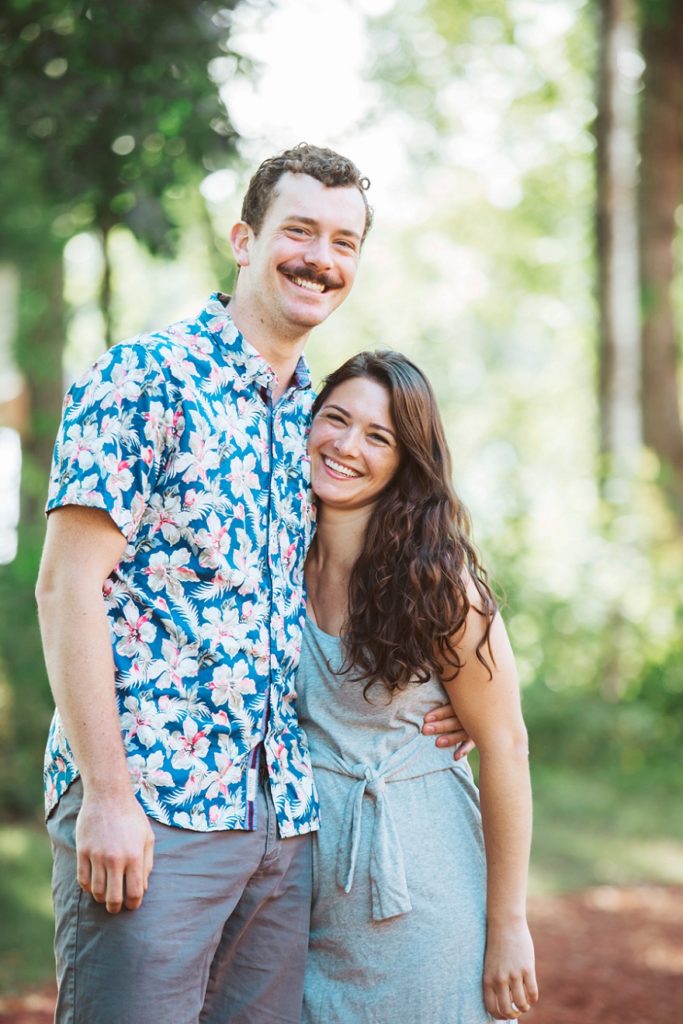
(375, 426)
(314, 223)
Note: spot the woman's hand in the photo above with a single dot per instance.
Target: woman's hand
(510, 987)
(443, 723)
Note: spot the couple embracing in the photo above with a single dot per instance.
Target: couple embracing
(250, 821)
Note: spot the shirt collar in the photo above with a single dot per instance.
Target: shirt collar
(251, 365)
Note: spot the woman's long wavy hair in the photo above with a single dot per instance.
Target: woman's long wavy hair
(407, 601)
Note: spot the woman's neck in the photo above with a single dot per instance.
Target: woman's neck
(339, 538)
(338, 542)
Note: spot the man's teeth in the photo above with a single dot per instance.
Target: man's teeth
(312, 286)
(337, 468)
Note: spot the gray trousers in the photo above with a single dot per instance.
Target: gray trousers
(221, 936)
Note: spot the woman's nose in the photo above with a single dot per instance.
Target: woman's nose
(346, 443)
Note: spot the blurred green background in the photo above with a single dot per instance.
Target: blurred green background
(527, 162)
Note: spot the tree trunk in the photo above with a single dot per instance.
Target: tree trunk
(39, 358)
(26, 703)
(660, 195)
(617, 234)
(106, 291)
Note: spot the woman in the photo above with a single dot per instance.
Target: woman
(407, 924)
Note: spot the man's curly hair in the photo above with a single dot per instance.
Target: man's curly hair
(324, 165)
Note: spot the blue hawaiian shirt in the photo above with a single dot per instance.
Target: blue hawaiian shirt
(175, 435)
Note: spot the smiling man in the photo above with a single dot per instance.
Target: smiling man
(179, 790)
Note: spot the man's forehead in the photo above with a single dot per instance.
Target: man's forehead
(305, 198)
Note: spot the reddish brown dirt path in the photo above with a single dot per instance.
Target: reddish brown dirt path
(610, 956)
(605, 956)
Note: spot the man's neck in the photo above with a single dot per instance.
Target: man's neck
(282, 353)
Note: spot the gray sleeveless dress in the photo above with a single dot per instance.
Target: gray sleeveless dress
(398, 926)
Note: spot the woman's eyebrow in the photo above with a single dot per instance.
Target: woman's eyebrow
(388, 430)
(375, 426)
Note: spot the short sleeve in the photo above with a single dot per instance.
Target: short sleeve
(112, 437)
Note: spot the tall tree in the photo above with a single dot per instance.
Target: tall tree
(661, 181)
(617, 234)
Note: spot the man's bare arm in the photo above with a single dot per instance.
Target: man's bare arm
(114, 838)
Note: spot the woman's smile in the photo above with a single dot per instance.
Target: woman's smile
(336, 469)
(353, 445)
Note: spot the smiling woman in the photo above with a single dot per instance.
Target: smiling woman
(418, 912)
(353, 445)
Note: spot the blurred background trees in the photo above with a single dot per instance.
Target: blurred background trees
(526, 160)
(109, 118)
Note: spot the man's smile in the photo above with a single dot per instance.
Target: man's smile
(310, 281)
(311, 286)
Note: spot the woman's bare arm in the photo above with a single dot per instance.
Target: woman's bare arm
(489, 708)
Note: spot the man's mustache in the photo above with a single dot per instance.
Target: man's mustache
(305, 272)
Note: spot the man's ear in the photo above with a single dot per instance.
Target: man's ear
(240, 240)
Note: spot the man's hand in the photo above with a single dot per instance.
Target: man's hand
(115, 851)
(443, 723)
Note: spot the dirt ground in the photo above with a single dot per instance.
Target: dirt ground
(605, 956)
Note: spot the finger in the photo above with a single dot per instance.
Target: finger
(134, 887)
(98, 881)
(490, 1001)
(114, 890)
(148, 861)
(507, 1007)
(83, 872)
(439, 713)
(518, 995)
(448, 724)
(452, 738)
(531, 986)
(463, 750)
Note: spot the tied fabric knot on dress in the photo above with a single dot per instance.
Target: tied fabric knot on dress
(388, 885)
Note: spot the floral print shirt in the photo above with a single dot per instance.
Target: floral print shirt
(175, 436)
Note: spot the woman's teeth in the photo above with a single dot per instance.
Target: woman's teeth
(336, 467)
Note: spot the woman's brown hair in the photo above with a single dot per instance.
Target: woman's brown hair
(408, 598)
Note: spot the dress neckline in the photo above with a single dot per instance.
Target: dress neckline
(318, 629)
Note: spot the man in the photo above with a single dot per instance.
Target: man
(171, 602)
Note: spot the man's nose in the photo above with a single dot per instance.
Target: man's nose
(318, 253)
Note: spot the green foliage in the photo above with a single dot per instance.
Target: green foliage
(594, 826)
(25, 908)
(114, 106)
(657, 12)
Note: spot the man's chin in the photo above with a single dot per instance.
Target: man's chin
(311, 316)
